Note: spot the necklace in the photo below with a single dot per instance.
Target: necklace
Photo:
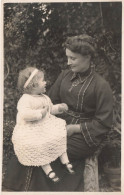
(78, 81)
(74, 84)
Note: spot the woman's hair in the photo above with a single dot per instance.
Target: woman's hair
(23, 77)
(82, 44)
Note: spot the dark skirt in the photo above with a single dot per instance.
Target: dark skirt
(24, 178)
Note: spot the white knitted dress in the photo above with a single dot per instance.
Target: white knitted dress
(38, 141)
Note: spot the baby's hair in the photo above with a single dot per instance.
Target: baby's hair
(23, 77)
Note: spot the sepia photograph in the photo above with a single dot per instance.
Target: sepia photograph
(62, 96)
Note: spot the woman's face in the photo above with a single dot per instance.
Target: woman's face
(77, 62)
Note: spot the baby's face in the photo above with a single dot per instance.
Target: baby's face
(41, 88)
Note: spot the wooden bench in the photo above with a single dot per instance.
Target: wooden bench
(91, 176)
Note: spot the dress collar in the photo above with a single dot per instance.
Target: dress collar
(81, 74)
(34, 95)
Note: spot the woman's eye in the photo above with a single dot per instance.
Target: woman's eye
(72, 58)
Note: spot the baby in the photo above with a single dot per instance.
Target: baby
(39, 137)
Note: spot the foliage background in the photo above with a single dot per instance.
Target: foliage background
(33, 36)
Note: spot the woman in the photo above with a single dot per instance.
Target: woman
(87, 95)
(89, 118)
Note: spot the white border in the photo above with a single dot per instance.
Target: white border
(57, 1)
(1, 89)
(1, 96)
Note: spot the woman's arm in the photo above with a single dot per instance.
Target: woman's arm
(71, 129)
(101, 122)
(95, 129)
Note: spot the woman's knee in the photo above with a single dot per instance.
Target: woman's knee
(77, 148)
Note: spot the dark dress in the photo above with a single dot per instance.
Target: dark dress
(90, 103)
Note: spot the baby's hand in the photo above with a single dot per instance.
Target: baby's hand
(44, 111)
(63, 107)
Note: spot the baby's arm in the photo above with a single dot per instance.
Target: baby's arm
(29, 114)
(44, 111)
(59, 108)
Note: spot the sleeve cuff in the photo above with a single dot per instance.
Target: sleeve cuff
(87, 135)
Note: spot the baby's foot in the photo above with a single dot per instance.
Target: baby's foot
(69, 167)
(52, 176)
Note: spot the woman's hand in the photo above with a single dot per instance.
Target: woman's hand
(63, 107)
(71, 129)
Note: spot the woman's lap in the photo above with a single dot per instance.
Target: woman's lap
(77, 147)
(21, 178)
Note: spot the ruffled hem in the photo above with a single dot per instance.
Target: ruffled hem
(40, 143)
